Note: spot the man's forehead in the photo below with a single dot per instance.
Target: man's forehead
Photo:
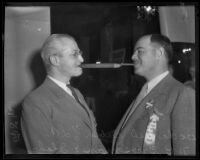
(66, 43)
(143, 41)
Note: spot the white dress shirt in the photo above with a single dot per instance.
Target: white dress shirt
(156, 80)
(62, 85)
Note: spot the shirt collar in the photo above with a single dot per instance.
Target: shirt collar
(59, 83)
(156, 80)
(62, 85)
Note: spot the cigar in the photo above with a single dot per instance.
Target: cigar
(105, 65)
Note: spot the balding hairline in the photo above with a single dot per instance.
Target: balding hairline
(53, 46)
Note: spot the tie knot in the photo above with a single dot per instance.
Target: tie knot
(68, 85)
(70, 88)
(72, 91)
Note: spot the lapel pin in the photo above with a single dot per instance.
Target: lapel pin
(149, 104)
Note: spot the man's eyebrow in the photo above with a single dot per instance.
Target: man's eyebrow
(138, 48)
(76, 50)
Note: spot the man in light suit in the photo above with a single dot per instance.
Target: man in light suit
(55, 120)
(163, 120)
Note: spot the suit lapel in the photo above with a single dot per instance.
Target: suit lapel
(123, 119)
(65, 98)
(91, 117)
(90, 113)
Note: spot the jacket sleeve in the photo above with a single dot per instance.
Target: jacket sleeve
(183, 124)
(36, 130)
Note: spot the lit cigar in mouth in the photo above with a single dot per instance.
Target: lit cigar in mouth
(105, 65)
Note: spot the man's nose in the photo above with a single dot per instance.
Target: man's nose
(81, 58)
(134, 56)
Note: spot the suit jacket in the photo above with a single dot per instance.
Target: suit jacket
(174, 104)
(53, 122)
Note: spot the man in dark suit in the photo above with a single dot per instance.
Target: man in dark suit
(162, 118)
(55, 118)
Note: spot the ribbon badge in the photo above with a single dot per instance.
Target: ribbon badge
(149, 105)
(150, 134)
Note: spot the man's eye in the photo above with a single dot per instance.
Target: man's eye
(140, 51)
(77, 53)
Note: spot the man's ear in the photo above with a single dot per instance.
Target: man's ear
(54, 60)
(160, 52)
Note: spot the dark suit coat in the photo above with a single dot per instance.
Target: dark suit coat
(53, 122)
(175, 134)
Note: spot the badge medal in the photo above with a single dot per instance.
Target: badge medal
(150, 135)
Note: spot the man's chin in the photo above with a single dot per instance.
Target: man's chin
(138, 72)
(78, 73)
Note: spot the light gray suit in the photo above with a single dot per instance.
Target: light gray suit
(54, 123)
(175, 133)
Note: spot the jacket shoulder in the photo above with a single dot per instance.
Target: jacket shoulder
(38, 98)
(175, 85)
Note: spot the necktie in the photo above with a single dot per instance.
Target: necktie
(73, 92)
(142, 94)
(76, 97)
